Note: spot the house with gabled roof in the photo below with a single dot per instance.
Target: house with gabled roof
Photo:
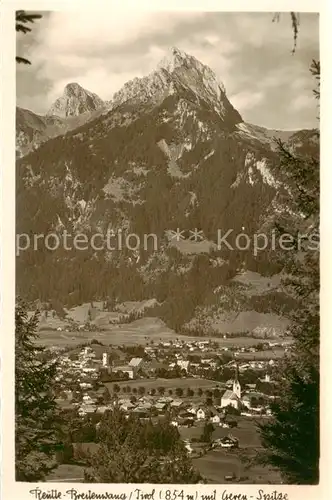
(183, 364)
(127, 406)
(160, 406)
(192, 409)
(215, 416)
(176, 403)
(136, 363)
(200, 414)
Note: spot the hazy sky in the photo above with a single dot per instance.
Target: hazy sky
(251, 55)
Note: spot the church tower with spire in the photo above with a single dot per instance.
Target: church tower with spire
(233, 398)
(236, 383)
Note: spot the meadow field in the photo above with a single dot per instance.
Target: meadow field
(139, 332)
(218, 463)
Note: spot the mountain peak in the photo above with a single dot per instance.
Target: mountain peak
(74, 101)
(176, 58)
(178, 72)
(177, 52)
(73, 87)
(173, 58)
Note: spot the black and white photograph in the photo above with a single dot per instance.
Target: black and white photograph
(167, 316)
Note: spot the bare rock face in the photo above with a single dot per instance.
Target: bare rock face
(177, 73)
(75, 101)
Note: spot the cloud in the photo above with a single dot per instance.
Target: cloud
(83, 31)
(212, 39)
(301, 83)
(246, 100)
(249, 54)
(302, 102)
(101, 53)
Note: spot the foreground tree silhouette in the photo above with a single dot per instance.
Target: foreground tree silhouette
(35, 408)
(132, 451)
(295, 20)
(291, 438)
(22, 20)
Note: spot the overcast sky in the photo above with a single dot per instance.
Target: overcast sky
(251, 55)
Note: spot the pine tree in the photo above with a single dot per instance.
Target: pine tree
(35, 407)
(207, 432)
(22, 19)
(291, 438)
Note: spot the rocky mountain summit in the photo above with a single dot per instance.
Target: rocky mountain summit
(75, 101)
(169, 153)
(177, 73)
(74, 108)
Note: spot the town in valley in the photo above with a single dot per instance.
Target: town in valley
(213, 390)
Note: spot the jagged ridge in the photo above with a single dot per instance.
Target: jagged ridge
(177, 72)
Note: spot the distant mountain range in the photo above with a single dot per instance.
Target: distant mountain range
(168, 151)
(75, 107)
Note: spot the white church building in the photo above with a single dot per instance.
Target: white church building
(233, 397)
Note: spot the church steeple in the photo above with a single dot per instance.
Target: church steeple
(236, 383)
